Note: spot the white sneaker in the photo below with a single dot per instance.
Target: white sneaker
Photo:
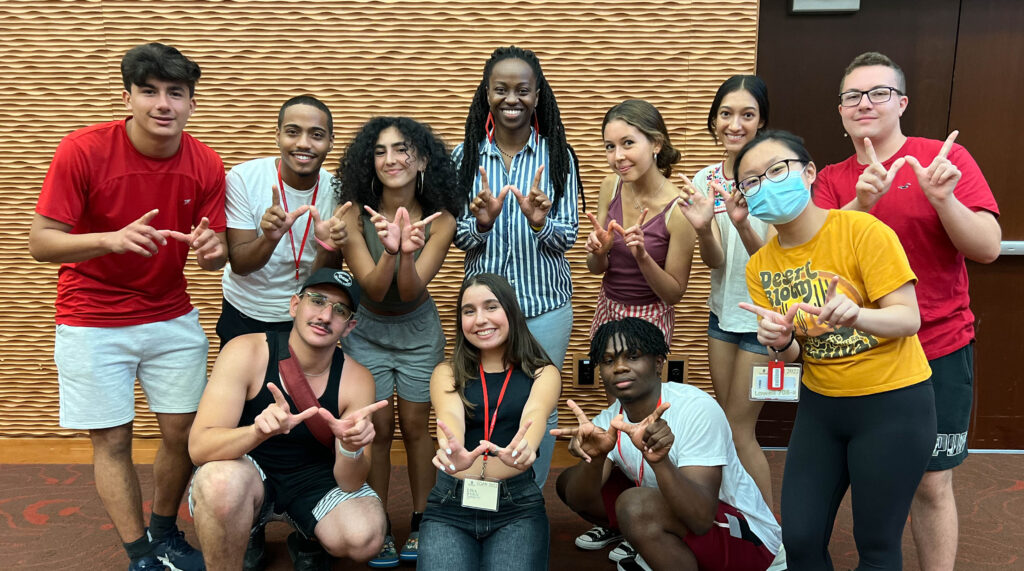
(622, 551)
(635, 563)
(597, 538)
(780, 560)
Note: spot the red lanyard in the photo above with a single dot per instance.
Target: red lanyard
(490, 421)
(309, 219)
(618, 445)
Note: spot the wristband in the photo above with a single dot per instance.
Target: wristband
(786, 346)
(347, 454)
(324, 245)
(395, 253)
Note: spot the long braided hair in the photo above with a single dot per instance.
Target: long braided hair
(548, 117)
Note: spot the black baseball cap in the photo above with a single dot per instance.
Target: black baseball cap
(338, 278)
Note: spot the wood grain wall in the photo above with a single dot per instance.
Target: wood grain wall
(59, 70)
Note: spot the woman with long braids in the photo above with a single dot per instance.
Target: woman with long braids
(522, 181)
(399, 177)
(492, 398)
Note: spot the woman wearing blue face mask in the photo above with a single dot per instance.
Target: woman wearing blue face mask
(835, 290)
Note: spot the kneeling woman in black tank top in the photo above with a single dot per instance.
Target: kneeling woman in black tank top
(486, 511)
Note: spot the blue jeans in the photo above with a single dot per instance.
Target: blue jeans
(552, 331)
(454, 538)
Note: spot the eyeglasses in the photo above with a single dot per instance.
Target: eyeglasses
(853, 97)
(775, 173)
(340, 309)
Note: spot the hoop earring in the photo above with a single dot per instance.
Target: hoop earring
(655, 159)
(536, 126)
(489, 127)
(420, 181)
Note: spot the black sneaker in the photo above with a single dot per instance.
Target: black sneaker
(176, 553)
(147, 564)
(622, 551)
(634, 563)
(256, 550)
(598, 538)
(317, 560)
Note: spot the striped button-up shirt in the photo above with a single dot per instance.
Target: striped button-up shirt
(532, 261)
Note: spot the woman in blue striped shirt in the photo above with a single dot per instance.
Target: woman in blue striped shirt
(515, 144)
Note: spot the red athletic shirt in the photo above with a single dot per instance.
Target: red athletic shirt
(99, 182)
(947, 322)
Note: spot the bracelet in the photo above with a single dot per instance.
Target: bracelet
(786, 346)
(347, 454)
(324, 245)
(536, 228)
(395, 253)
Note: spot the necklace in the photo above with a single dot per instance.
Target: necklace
(636, 200)
(320, 374)
(502, 151)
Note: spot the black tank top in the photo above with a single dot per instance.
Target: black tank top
(291, 459)
(510, 413)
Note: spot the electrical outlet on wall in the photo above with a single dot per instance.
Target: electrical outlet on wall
(675, 369)
(583, 375)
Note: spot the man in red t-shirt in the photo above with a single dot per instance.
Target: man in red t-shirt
(934, 196)
(120, 208)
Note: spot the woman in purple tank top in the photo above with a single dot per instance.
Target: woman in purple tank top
(641, 244)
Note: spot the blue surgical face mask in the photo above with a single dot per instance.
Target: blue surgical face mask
(782, 201)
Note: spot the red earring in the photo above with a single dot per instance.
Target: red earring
(536, 126)
(489, 127)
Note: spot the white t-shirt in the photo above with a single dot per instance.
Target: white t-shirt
(702, 438)
(264, 294)
(729, 282)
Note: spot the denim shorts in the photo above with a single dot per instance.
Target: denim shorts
(455, 537)
(747, 341)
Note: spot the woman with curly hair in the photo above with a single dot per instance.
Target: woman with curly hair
(520, 176)
(401, 180)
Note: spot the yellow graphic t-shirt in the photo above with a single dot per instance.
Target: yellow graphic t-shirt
(870, 263)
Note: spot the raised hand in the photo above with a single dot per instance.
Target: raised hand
(587, 439)
(698, 209)
(454, 457)
(875, 181)
(355, 430)
(775, 329)
(634, 237)
(414, 235)
(651, 436)
(599, 242)
(735, 203)
(277, 418)
(534, 204)
(138, 237)
(518, 454)
(939, 179)
(202, 239)
(389, 231)
(276, 221)
(485, 206)
(332, 230)
(838, 311)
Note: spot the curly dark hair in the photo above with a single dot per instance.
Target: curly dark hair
(637, 335)
(548, 117)
(356, 177)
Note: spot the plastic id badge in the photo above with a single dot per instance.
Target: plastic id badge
(480, 494)
(777, 381)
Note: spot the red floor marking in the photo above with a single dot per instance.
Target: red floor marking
(32, 515)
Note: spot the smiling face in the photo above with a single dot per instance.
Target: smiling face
(320, 326)
(877, 121)
(395, 161)
(628, 150)
(304, 140)
(160, 109)
(737, 120)
(628, 375)
(512, 94)
(484, 322)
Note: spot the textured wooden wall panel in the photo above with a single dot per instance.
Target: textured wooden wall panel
(59, 64)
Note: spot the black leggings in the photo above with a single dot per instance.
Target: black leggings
(878, 445)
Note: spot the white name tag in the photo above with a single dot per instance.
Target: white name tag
(772, 383)
(480, 494)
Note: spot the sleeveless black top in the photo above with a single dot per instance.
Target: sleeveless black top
(510, 413)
